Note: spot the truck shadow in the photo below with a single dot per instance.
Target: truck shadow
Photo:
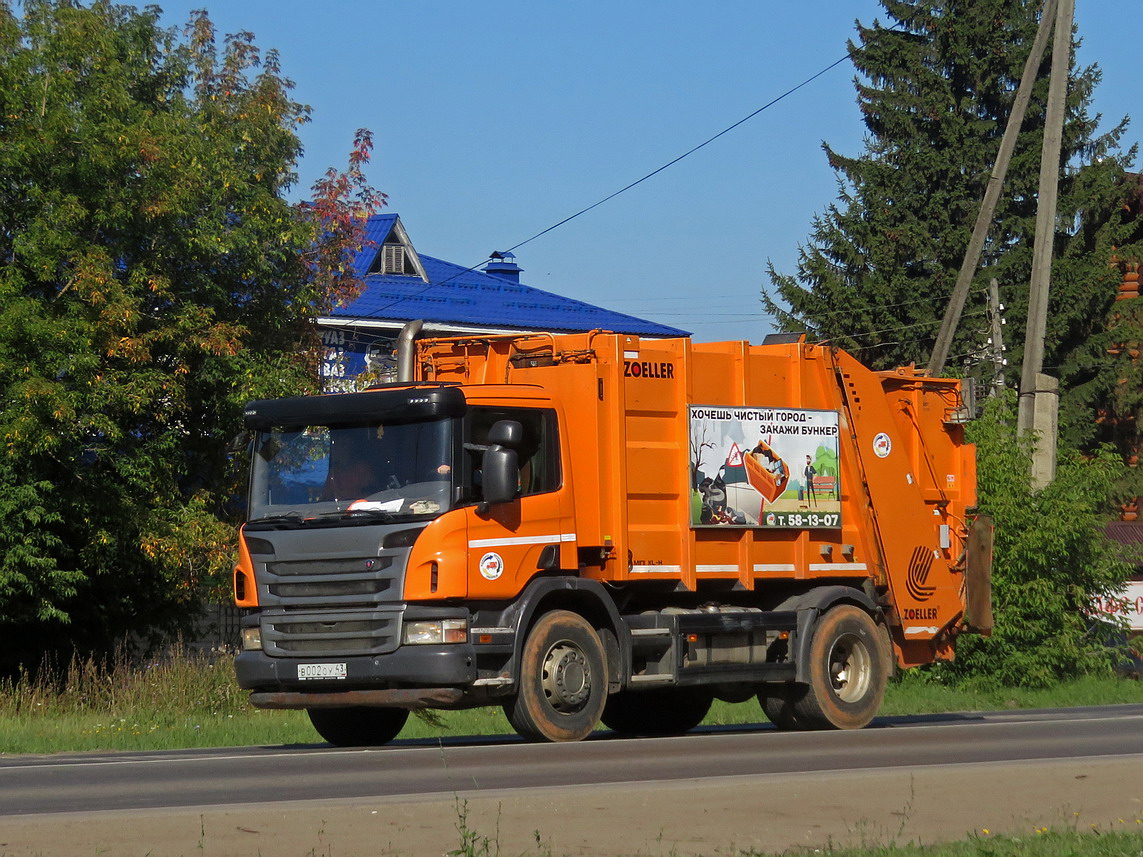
(889, 722)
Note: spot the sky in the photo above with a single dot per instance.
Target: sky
(496, 120)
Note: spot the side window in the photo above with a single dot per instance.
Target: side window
(539, 452)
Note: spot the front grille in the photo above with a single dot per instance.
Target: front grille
(331, 633)
(328, 588)
(353, 565)
(342, 582)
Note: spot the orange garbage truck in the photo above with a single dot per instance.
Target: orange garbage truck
(594, 527)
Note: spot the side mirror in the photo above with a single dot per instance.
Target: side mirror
(501, 475)
(239, 444)
(500, 471)
(506, 433)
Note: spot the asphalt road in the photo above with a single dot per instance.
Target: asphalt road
(89, 782)
(418, 789)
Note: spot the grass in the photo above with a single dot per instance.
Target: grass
(909, 694)
(182, 701)
(191, 700)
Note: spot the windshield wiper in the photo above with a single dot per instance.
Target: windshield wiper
(293, 518)
(369, 514)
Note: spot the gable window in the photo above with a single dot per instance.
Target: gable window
(393, 259)
(392, 254)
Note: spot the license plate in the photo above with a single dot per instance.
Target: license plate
(312, 671)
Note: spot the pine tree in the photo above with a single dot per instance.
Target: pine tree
(935, 88)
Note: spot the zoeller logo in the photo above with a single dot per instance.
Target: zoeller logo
(919, 567)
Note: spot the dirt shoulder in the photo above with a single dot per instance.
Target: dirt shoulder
(772, 813)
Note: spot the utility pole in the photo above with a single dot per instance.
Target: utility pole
(996, 337)
(1039, 393)
(992, 191)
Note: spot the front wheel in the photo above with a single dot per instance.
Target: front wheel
(563, 680)
(847, 673)
(358, 726)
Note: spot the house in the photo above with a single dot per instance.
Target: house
(401, 285)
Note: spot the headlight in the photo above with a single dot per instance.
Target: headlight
(252, 639)
(435, 631)
(401, 538)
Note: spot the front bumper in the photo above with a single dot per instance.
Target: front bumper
(401, 697)
(407, 676)
(452, 665)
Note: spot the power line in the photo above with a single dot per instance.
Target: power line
(686, 154)
(739, 316)
(844, 312)
(867, 347)
(633, 184)
(707, 305)
(932, 322)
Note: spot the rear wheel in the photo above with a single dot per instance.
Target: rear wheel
(847, 672)
(358, 726)
(662, 711)
(777, 703)
(563, 680)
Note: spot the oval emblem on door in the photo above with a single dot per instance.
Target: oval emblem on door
(491, 566)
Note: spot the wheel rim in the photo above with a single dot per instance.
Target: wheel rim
(566, 678)
(850, 668)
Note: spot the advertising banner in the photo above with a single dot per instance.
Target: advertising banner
(764, 467)
(1127, 605)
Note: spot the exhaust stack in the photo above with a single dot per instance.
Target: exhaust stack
(405, 340)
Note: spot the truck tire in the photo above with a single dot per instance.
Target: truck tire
(662, 711)
(847, 673)
(563, 680)
(358, 726)
(777, 703)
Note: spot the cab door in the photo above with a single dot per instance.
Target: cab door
(510, 543)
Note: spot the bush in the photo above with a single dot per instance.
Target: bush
(1051, 559)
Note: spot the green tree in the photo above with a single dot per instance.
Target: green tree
(935, 88)
(152, 279)
(1050, 560)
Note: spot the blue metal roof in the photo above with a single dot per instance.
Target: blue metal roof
(457, 295)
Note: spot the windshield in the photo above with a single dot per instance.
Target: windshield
(391, 471)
